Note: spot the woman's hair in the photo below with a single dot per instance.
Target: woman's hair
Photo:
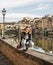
(30, 29)
(26, 27)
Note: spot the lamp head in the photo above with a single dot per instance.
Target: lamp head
(3, 11)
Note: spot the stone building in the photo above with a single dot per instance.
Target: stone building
(45, 22)
(1, 27)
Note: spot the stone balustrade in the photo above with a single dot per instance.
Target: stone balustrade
(18, 57)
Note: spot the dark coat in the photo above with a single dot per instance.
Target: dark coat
(24, 34)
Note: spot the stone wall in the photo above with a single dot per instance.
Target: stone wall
(19, 57)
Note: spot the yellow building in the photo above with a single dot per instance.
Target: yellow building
(44, 23)
(1, 27)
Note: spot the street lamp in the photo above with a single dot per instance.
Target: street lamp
(3, 13)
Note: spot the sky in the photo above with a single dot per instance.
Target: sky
(17, 9)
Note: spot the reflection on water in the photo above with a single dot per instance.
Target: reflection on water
(45, 43)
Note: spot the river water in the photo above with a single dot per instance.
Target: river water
(44, 42)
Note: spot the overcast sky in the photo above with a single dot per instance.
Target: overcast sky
(16, 9)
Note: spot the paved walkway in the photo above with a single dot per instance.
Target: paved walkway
(4, 60)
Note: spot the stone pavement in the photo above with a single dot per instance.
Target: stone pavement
(4, 60)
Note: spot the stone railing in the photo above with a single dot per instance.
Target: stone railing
(18, 57)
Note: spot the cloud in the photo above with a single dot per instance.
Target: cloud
(10, 17)
(13, 4)
(16, 3)
(18, 15)
(43, 6)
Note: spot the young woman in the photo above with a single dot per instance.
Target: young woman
(26, 38)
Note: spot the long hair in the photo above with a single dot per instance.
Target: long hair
(28, 29)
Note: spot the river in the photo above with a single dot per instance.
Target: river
(44, 42)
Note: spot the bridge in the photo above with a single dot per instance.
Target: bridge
(18, 57)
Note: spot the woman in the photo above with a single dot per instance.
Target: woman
(26, 38)
(29, 42)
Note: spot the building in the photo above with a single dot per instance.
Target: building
(45, 22)
(5, 26)
(1, 27)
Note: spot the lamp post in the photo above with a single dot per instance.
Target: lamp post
(3, 13)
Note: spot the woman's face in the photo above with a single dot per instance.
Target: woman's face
(27, 30)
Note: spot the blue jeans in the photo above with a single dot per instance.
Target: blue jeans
(23, 43)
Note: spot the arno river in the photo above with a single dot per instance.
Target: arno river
(44, 42)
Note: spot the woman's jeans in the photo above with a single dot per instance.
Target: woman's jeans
(25, 45)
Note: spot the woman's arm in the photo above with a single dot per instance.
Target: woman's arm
(23, 35)
(30, 36)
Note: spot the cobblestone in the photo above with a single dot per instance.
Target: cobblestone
(4, 60)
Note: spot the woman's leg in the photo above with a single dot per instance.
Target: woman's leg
(31, 43)
(23, 43)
